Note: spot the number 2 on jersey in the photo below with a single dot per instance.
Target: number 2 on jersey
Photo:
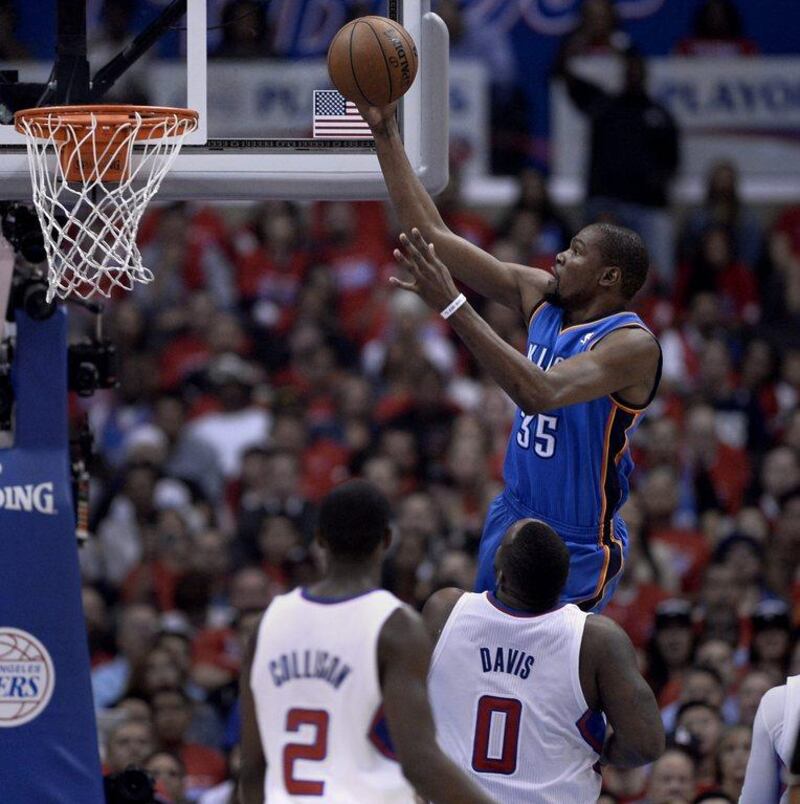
(314, 751)
(544, 435)
(504, 759)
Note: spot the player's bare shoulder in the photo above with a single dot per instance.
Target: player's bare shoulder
(403, 634)
(603, 642)
(601, 633)
(634, 341)
(438, 608)
(637, 351)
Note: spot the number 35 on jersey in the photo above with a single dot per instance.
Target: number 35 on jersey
(538, 432)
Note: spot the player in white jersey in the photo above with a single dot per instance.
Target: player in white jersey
(521, 686)
(333, 695)
(775, 731)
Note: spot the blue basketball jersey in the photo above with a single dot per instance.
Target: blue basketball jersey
(571, 465)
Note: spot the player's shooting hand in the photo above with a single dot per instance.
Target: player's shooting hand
(377, 116)
(430, 277)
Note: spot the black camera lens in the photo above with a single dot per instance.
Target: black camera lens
(34, 300)
(131, 786)
(87, 379)
(6, 400)
(22, 229)
(31, 245)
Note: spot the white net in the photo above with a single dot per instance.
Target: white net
(94, 170)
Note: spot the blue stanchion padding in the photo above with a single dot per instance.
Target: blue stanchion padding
(48, 738)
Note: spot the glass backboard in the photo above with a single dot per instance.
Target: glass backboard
(252, 77)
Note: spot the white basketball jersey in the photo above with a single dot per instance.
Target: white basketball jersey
(318, 701)
(509, 708)
(789, 725)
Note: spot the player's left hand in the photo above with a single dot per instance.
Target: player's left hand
(431, 278)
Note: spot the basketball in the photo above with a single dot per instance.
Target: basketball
(372, 60)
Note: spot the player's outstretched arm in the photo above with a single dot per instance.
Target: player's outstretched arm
(612, 682)
(254, 766)
(404, 652)
(519, 287)
(624, 362)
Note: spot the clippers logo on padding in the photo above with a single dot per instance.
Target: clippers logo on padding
(27, 677)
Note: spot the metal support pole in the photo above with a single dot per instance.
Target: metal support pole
(71, 71)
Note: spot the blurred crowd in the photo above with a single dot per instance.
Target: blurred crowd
(269, 361)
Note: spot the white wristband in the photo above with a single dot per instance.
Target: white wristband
(453, 306)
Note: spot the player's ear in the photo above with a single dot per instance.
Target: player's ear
(611, 276)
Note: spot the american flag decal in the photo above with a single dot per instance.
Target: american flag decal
(336, 118)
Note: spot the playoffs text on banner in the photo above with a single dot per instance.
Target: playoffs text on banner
(337, 118)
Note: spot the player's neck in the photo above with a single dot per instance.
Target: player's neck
(592, 311)
(345, 579)
(513, 602)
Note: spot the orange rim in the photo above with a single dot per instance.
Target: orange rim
(101, 126)
(106, 116)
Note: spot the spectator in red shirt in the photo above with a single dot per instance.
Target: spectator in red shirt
(716, 269)
(272, 263)
(353, 242)
(189, 249)
(322, 457)
(165, 559)
(641, 589)
(172, 715)
(217, 651)
(720, 471)
(686, 548)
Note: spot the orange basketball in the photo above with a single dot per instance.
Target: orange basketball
(372, 60)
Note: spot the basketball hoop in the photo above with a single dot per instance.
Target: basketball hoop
(94, 169)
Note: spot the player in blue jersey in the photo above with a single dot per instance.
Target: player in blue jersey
(590, 370)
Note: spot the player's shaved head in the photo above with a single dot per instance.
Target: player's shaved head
(532, 564)
(353, 520)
